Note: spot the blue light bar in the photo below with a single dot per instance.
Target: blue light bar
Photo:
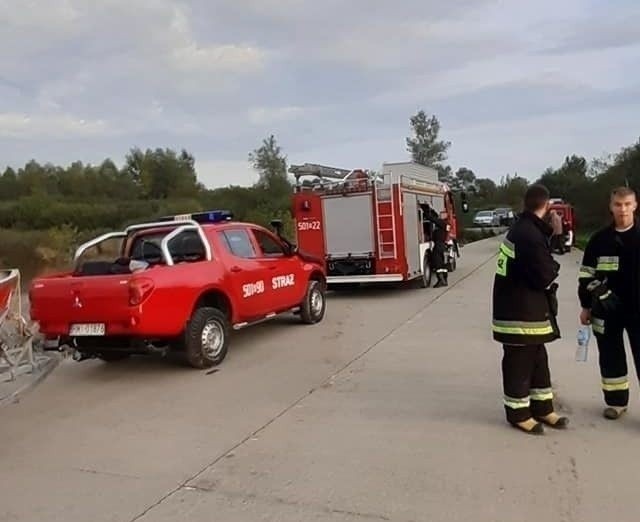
(209, 216)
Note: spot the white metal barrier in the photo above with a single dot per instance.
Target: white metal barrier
(16, 336)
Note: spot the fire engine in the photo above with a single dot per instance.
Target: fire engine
(370, 227)
(568, 215)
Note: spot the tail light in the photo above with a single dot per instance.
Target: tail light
(139, 290)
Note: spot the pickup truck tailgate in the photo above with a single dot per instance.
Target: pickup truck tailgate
(59, 302)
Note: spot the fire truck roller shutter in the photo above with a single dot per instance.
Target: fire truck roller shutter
(348, 223)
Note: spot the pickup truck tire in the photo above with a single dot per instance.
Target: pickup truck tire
(206, 338)
(314, 305)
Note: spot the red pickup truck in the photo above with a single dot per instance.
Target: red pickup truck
(180, 283)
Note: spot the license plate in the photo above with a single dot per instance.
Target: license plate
(90, 329)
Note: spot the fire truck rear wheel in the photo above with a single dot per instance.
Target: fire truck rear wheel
(427, 274)
(315, 303)
(206, 338)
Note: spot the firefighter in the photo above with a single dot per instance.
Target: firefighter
(524, 316)
(608, 291)
(439, 237)
(557, 245)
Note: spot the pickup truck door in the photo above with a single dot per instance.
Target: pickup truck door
(285, 279)
(248, 277)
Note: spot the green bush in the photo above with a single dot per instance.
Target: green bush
(582, 239)
(471, 235)
(36, 252)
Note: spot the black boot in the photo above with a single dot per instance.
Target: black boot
(442, 280)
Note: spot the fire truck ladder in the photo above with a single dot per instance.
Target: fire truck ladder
(383, 195)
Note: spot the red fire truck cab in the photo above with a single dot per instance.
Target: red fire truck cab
(568, 215)
(369, 227)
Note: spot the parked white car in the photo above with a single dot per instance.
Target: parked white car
(486, 218)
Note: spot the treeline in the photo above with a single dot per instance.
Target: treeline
(149, 184)
(47, 210)
(585, 184)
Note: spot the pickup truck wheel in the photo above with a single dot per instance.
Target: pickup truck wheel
(314, 304)
(207, 338)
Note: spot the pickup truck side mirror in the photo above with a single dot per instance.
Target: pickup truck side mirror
(277, 226)
(290, 248)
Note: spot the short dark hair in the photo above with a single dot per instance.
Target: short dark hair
(536, 197)
(622, 192)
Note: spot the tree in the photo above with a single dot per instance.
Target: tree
(162, 174)
(486, 190)
(511, 191)
(568, 180)
(271, 165)
(465, 179)
(425, 147)
(625, 169)
(9, 187)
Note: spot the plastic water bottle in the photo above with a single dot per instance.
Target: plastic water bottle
(584, 334)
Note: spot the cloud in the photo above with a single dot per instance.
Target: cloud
(528, 138)
(220, 173)
(270, 115)
(54, 126)
(335, 81)
(186, 55)
(611, 25)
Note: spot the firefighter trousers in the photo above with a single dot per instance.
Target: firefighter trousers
(526, 382)
(438, 263)
(613, 358)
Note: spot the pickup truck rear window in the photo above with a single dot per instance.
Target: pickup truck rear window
(186, 247)
(147, 248)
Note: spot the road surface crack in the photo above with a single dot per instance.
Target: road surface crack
(107, 473)
(236, 495)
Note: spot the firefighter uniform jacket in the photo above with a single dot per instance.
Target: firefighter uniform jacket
(439, 233)
(610, 265)
(524, 301)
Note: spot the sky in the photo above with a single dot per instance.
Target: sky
(516, 85)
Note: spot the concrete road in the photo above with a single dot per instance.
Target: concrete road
(388, 410)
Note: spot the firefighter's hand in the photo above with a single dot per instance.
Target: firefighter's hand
(585, 316)
(605, 298)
